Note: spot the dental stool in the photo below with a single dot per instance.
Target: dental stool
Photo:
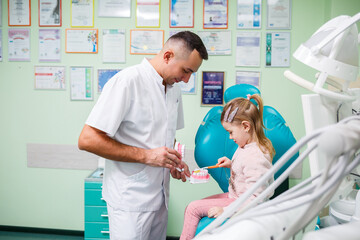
(212, 141)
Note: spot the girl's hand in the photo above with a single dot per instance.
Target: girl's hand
(224, 162)
(215, 212)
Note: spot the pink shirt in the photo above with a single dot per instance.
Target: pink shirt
(249, 164)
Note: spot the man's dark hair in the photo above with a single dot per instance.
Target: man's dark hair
(192, 41)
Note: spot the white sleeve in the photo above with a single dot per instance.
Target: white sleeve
(111, 107)
(180, 118)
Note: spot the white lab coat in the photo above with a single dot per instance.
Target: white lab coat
(134, 109)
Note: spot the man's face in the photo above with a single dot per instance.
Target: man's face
(180, 68)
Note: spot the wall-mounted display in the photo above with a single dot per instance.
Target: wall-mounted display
(216, 42)
(114, 8)
(82, 13)
(146, 41)
(49, 45)
(215, 14)
(247, 77)
(248, 49)
(278, 14)
(19, 44)
(19, 13)
(81, 40)
(212, 91)
(182, 13)
(104, 76)
(113, 45)
(190, 86)
(81, 83)
(50, 77)
(277, 49)
(249, 14)
(148, 13)
(49, 13)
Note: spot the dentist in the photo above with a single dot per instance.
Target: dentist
(133, 126)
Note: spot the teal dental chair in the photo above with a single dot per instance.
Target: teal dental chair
(212, 141)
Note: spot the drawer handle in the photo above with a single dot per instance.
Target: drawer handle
(105, 232)
(104, 215)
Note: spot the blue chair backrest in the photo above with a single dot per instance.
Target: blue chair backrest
(212, 140)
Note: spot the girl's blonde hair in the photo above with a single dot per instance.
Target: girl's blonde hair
(242, 109)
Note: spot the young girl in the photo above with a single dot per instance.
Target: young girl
(252, 159)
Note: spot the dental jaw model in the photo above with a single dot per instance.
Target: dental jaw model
(180, 148)
(200, 175)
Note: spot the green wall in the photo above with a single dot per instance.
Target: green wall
(53, 198)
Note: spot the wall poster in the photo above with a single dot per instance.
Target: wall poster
(212, 92)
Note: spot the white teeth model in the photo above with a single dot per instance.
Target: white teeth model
(181, 149)
(199, 176)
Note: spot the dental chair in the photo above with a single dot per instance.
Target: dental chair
(212, 141)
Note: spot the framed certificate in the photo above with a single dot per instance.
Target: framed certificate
(216, 42)
(49, 45)
(104, 76)
(190, 86)
(277, 49)
(278, 14)
(81, 40)
(247, 77)
(113, 45)
(50, 77)
(19, 44)
(81, 83)
(148, 13)
(50, 13)
(146, 41)
(19, 13)
(212, 92)
(182, 13)
(82, 13)
(248, 49)
(114, 8)
(249, 14)
(215, 14)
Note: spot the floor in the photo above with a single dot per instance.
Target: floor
(5, 235)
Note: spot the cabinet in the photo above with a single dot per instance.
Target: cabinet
(96, 218)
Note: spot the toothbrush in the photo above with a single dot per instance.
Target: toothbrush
(210, 167)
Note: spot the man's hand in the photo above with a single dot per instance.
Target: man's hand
(163, 157)
(180, 175)
(215, 212)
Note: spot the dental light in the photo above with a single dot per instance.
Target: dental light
(333, 51)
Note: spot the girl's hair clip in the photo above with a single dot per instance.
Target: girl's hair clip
(232, 115)
(227, 114)
(248, 96)
(228, 118)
